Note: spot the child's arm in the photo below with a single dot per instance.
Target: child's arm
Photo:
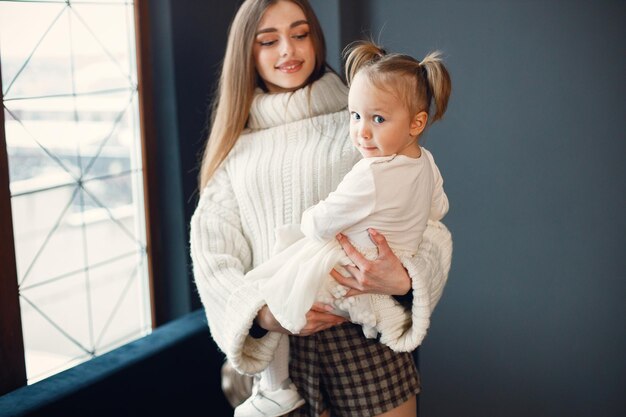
(352, 201)
(439, 205)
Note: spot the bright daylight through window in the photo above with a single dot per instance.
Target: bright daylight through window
(70, 102)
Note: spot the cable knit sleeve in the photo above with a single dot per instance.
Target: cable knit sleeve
(220, 255)
(428, 269)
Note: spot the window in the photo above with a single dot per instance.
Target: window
(72, 134)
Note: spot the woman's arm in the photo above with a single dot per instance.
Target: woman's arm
(383, 275)
(428, 271)
(318, 318)
(221, 255)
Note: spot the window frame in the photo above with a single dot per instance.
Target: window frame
(13, 376)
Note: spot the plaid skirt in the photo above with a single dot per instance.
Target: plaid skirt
(342, 371)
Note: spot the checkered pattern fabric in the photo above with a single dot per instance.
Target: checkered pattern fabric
(339, 369)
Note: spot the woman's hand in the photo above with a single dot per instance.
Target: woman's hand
(383, 275)
(317, 319)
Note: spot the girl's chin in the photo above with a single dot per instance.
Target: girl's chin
(368, 153)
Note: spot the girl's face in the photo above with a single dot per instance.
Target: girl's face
(283, 51)
(380, 123)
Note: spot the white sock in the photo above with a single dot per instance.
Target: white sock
(277, 371)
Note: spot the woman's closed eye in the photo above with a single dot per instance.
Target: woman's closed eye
(267, 42)
(273, 41)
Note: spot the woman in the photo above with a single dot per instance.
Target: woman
(279, 144)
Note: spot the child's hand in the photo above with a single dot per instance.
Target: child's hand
(318, 318)
(383, 275)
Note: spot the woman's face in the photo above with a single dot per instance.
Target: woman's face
(283, 51)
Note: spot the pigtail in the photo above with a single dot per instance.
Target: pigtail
(360, 54)
(438, 81)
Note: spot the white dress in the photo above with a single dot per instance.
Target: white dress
(395, 195)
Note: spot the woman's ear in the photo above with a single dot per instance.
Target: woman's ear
(418, 124)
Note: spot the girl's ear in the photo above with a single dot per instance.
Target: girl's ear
(418, 124)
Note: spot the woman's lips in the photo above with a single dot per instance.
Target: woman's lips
(290, 66)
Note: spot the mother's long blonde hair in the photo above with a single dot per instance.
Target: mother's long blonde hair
(239, 78)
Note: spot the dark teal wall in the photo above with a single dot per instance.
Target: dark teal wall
(533, 152)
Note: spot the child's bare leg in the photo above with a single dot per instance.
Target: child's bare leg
(407, 409)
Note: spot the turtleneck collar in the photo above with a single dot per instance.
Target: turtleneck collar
(327, 95)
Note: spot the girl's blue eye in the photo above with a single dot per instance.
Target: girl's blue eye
(355, 116)
(379, 119)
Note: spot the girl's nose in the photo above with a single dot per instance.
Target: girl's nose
(364, 131)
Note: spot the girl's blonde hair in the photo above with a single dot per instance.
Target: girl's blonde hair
(418, 84)
(231, 106)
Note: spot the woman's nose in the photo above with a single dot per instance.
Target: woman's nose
(287, 47)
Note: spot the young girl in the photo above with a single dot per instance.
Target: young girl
(279, 143)
(396, 188)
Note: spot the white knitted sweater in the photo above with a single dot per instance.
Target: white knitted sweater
(293, 154)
